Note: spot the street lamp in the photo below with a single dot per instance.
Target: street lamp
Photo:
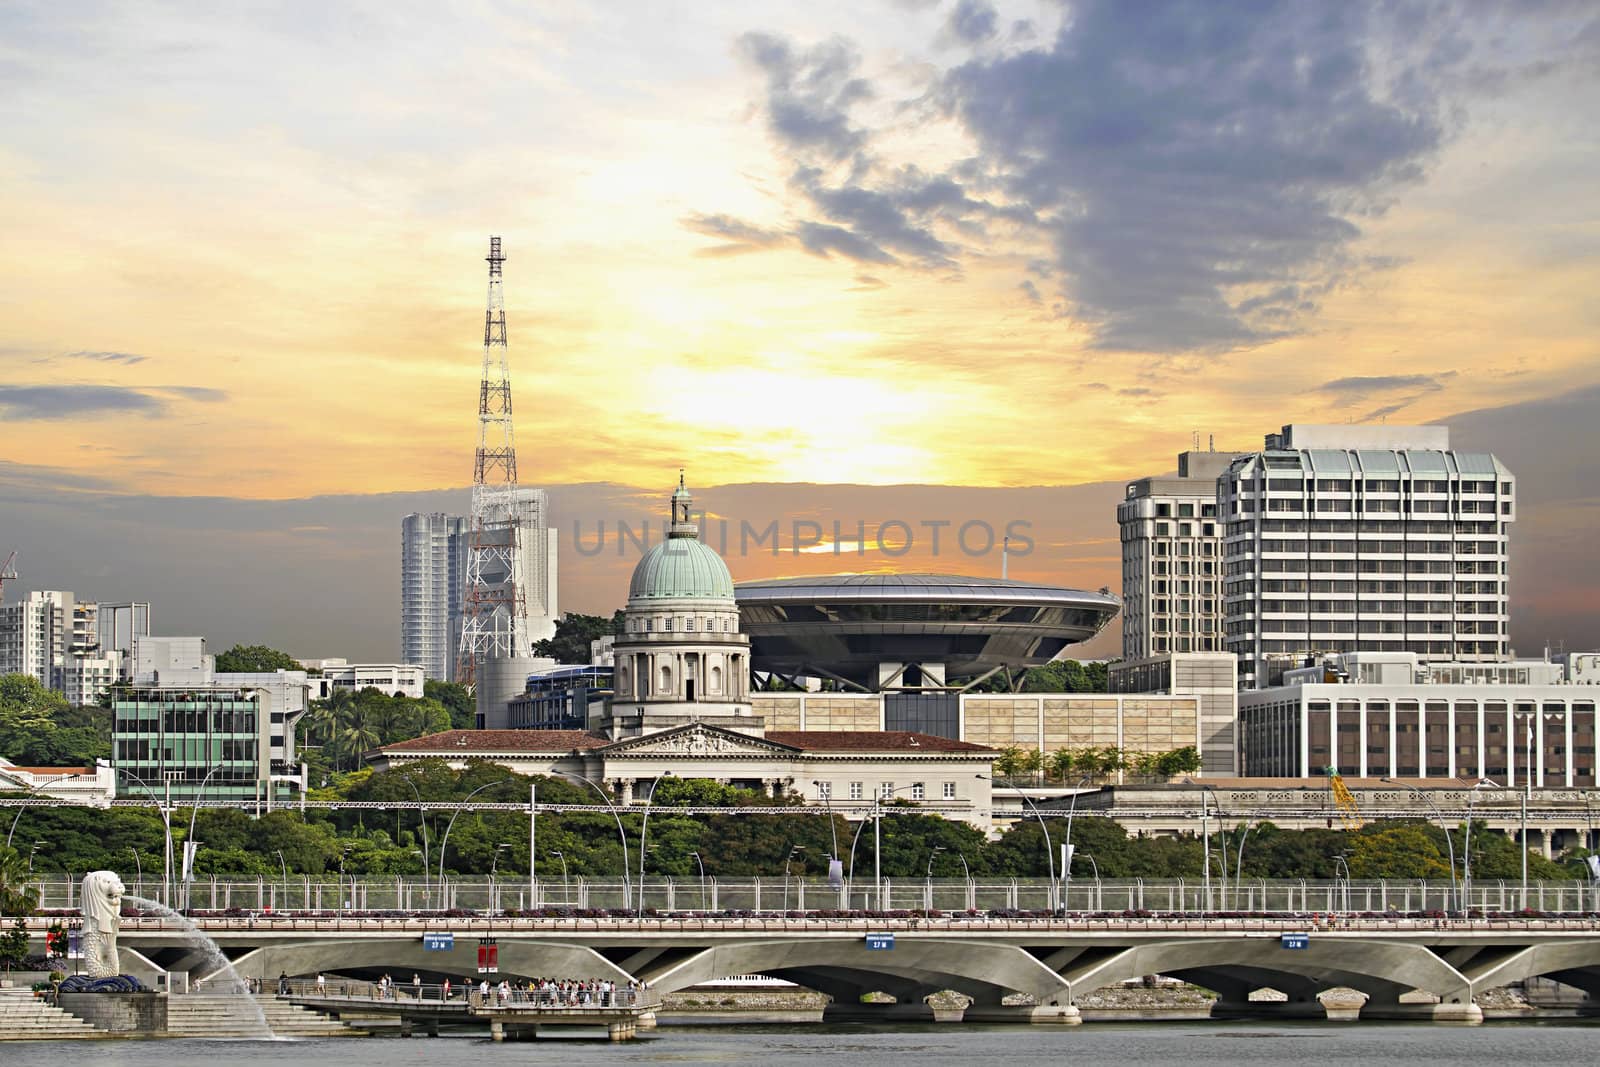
(1066, 849)
(644, 827)
(827, 802)
(493, 864)
(566, 886)
(931, 857)
(1238, 864)
(1454, 886)
(1340, 861)
(444, 844)
(138, 872)
(166, 823)
(702, 866)
(793, 852)
(422, 819)
(284, 866)
(1049, 850)
(627, 888)
(1466, 845)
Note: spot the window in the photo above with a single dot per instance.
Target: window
(855, 790)
(918, 792)
(885, 790)
(666, 624)
(824, 790)
(949, 790)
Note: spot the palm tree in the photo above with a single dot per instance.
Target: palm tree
(18, 894)
(358, 734)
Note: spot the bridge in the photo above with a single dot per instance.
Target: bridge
(1013, 969)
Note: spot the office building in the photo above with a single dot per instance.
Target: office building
(433, 573)
(1395, 714)
(1364, 538)
(1171, 559)
(184, 731)
(434, 558)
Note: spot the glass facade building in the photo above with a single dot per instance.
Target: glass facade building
(170, 741)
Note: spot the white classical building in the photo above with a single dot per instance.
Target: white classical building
(681, 656)
(681, 706)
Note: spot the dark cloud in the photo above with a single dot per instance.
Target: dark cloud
(740, 236)
(1199, 165)
(972, 21)
(46, 402)
(127, 358)
(824, 240)
(867, 282)
(1031, 291)
(810, 93)
(1399, 391)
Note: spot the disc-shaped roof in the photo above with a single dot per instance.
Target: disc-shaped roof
(848, 624)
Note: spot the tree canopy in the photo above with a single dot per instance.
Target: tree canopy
(39, 729)
(570, 645)
(255, 659)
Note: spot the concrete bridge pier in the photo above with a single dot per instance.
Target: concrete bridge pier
(846, 1011)
(1464, 1013)
(1268, 1009)
(1047, 1014)
(1233, 997)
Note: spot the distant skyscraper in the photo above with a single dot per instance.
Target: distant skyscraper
(433, 571)
(1172, 560)
(1364, 538)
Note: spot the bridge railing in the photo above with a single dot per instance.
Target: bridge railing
(263, 900)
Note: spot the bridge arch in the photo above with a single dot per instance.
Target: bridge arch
(1382, 970)
(524, 959)
(838, 967)
(1576, 963)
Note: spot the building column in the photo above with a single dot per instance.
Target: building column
(625, 790)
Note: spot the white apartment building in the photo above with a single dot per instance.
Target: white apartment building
(84, 679)
(1393, 714)
(1369, 538)
(434, 551)
(42, 631)
(1171, 560)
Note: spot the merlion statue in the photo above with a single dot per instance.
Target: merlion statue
(101, 905)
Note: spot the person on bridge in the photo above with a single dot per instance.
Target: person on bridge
(322, 984)
(483, 990)
(446, 995)
(283, 984)
(416, 984)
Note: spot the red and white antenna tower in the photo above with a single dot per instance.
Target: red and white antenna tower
(494, 619)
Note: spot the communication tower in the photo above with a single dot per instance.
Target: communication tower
(494, 621)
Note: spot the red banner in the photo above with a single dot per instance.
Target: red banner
(488, 957)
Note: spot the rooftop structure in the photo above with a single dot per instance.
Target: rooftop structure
(912, 631)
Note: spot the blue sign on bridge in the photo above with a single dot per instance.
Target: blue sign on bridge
(1296, 941)
(880, 941)
(438, 942)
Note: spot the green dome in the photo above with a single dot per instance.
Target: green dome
(681, 568)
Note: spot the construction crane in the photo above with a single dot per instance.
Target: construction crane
(8, 573)
(1349, 814)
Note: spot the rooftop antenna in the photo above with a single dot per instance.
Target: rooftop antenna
(1005, 551)
(1211, 442)
(1195, 438)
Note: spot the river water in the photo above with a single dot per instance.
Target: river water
(1555, 1041)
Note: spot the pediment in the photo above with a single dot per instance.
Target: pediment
(698, 739)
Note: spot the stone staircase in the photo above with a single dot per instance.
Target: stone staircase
(229, 1015)
(23, 1017)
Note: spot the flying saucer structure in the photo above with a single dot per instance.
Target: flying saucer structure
(912, 631)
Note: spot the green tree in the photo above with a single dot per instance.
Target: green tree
(573, 634)
(37, 727)
(14, 944)
(457, 700)
(255, 659)
(1185, 760)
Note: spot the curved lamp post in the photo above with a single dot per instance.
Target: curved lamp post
(627, 888)
(700, 864)
(422, 818)
(166, 823)
(566, 886)
(1049, 850)
(1455, 888)
(644, 827)
(1066, 859)
(444, 844)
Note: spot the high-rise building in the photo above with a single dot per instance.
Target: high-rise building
(433, 571)
(40, 631)
(1171, 559)
(433, 582)
(1364, 538)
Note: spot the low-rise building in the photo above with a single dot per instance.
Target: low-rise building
(1394, 715)
(1212, 678)
(95, 785)
(391, 679)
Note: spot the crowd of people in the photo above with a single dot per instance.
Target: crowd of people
(537, 992)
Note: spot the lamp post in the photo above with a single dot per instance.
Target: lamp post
(827, 802)
(927, 882)
(700, 864)
(451, 825)
(1205, 836)
(644, 826)
(284, 866)
(1340, 861)
(1466, 844)
(1066, 848)
(422, 819)
(493, 864)
(191, 847)
(566, 885)
(1238, 864)
(138, 872)
(1454, 886)
(627, 888)
(166, 824)
(794, 851)
(1049, 850)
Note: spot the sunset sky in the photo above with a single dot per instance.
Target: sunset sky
(911, 242)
